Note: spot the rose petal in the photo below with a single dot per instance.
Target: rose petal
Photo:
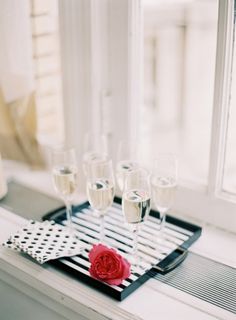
(115, 282)
(97, 248)
(92, 272)
(108, 263)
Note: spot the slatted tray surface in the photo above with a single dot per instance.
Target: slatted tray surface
(177, 233)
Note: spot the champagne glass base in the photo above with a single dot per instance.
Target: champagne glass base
(74, 234)
(135, 262)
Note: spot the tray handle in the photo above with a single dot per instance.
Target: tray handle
(171, 262)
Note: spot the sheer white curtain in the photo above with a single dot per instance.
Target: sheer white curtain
(17, 100)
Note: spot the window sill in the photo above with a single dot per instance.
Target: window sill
(71, 299)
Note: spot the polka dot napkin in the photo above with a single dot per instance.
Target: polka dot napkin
(44, 241)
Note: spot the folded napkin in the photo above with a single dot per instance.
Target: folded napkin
(44, 241)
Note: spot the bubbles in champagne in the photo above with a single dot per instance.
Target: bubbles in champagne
(122, 168)
(100, 194)
(163, 192)
(65, 179)
(136, 205)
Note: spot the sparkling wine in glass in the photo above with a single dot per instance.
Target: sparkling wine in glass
(126, 161)
(136, 203)
(164, 184)
(100, 189)
(65, 178)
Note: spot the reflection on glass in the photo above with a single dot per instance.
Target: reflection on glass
(100, 189)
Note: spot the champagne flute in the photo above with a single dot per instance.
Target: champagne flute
(136, 202)
(95, 149)
(164, 184)
(126, 161)
(100, 189)
(65, 178)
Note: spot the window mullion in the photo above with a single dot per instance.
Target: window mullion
(221, 96)
(125, 59)
(74, 20)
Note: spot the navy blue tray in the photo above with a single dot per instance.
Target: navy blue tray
(177, 238)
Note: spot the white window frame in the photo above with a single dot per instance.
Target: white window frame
(107, 98)
(212, 204)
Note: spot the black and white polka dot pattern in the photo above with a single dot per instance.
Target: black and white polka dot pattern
(44, 241)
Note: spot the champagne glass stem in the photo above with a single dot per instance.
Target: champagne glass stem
(161, 227)
(102, 226)
(162, 220)
(135, 244)
(69, 214)
(71, 229)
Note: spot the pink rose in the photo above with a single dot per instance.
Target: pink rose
(107, 265)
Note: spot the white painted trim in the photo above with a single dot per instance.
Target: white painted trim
(74, 20)
(100, 88)
(211, 205)
(221, 96)
(204, 209)
(125, 56)
(189, 299)
(135, 40)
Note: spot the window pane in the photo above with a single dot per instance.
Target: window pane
(229, 181)
(178, 82)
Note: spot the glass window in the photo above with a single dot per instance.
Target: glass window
(229, 180)
(178, 83)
